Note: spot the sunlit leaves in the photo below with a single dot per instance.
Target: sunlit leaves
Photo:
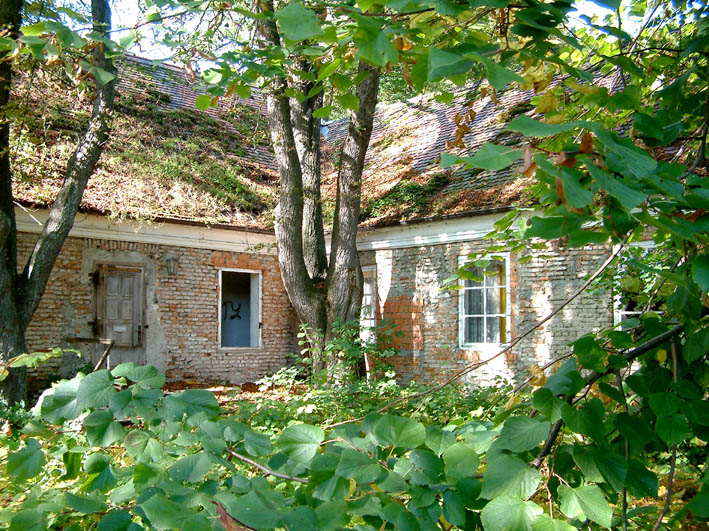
(399, 431)
(586, 502)
(298, 23)
(506, 512)
(509, 476)
(27, 462)
(300, 442)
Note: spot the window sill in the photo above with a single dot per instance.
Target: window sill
(238, 349)
(486, 347)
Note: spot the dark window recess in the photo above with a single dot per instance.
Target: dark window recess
(239, 309)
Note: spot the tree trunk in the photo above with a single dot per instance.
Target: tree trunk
(20, 294)
(320, 294)
(344, 279)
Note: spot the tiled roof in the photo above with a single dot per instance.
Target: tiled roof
(404, 155)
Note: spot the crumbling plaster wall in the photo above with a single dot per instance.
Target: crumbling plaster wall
(409, 282)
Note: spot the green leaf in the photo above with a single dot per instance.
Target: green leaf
(117, 521)
(348, 101)
(453, 508)
(298, 23)
(488, 157)
(164, 513)
(545, 523)
(27, 462)
(322, 112)
(438, 440)
(507, 513)
(527, 126)
(98, 468)
(392, 430)
(460, 461)
(203, 102)
(520, 434)
(641, 482)
(145, 376)
(34, 29)
(84, 504)
(509, 476)
(628, 197)
(378, 50)
(101, 75)
(443, 64)
(95, 390)
(498, 76)
(191, 468)
(258, 511)
(301, 518)
(300, 442)
(358, 466)
(101, 429)
(60, 403)
(700, 271)
(257, 444)
(576, 195)
(197, 400)
(142, 447)
(587, 502)
(547, 404)
(672, 429)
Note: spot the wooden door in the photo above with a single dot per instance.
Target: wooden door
(120, 305)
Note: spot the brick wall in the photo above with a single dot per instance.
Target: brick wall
(409, 282)
(181, 311)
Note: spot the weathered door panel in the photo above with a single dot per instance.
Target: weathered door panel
(120, 311)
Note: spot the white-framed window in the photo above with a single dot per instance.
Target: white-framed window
(633, 289)
(368, 313)
(484, 302)
(239, 308)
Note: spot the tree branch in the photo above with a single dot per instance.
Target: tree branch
(265, 469)
(79, 168)
(673, 459)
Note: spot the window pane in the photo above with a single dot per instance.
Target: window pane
(498, 279)
(476, 272)
(492, 296)
(473, 301)
(474, 330)
(493, 330)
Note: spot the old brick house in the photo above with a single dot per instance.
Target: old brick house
(173, 255)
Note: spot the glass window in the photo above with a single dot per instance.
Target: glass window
(484, 301)
(368, 316)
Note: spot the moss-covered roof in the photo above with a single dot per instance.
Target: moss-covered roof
(164, 159)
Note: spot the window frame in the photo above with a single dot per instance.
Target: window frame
(619, 314)
(462, 261)
(259, 326)
(369, 333)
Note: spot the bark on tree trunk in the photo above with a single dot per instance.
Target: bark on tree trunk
(344, 280)
(12, 341)
(320, 294)
(20, 294)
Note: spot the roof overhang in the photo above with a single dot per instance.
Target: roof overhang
(162, 232)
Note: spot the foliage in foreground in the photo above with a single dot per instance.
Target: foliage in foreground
(112, 449)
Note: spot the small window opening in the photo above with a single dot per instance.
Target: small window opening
(239, 309)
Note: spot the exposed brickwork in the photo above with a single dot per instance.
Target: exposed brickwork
(409, 295)
(181, 310)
